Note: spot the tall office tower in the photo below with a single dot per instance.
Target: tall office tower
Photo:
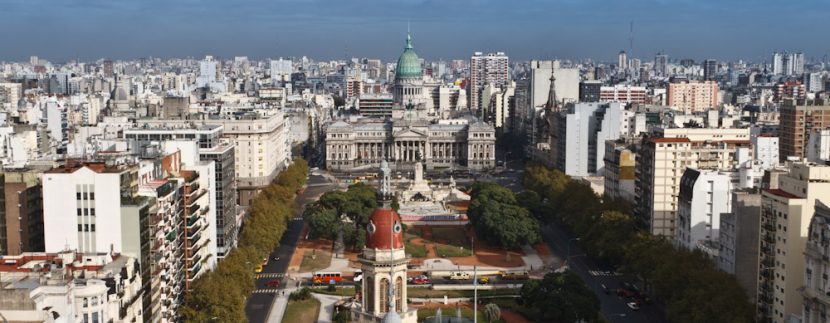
(34, 60)
(798, 120)
(281, 69)
(814, 82)
(484, 69)
(661, 65)
(108, 69)
(662, 160)
(622, 61)
(207, 72)
(778, 61)
(785, 226)
(710, 69)
(797, 63)
(693, 96)
(21, 212)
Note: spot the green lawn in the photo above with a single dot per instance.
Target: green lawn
(416, 251)
(452, 251)
(302, 311)
(320, 261)
(448, 242)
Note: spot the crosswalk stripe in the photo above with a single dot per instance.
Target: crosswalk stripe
(603, 273)
(270, 275)
(265, 291)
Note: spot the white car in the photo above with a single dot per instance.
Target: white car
(633, 305)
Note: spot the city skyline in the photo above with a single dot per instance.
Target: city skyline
(370, 28)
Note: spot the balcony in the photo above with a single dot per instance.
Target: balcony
(195, 238)
(193, 209)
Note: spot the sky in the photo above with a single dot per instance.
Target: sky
(59, 30)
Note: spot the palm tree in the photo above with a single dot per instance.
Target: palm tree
(492, 312)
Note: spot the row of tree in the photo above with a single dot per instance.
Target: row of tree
(561, 297)
(499, 219)
(220, 295)
(346, 211)
(689, 283)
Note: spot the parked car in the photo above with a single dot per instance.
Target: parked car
(633, 305)
(624, 293)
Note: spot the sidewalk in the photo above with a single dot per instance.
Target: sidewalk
(280, 302)
(326, 306)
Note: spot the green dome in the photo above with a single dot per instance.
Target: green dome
(409, 66)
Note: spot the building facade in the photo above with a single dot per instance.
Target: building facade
(798, 120)
(785, 218)
(491, 68)
(691, 97)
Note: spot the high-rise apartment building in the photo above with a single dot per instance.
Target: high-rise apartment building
(661, 65)
(21, 212)
(212, 148)
(622, 61)
(710, 69)
(691, 97)
(619, 170)
(491, 68)
(589, 91)
(739, 239)
(784, 63)
(798, 120)
(578, 139)
(785, 229)
(662, 161)
(703, 196)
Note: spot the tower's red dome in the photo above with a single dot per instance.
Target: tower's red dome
(384, 229)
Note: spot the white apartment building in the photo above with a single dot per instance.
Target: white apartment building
(662, 161)
(818, 146)
(582, 129)
(703, 196)
(785, 219)
(765, 150)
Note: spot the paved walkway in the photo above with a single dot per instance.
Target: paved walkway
(280, 302)
(326, 306)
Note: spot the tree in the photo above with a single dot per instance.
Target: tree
(498, 219)
(561, 297)
(324, 223)
(492, 312)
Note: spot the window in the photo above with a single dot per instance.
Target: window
(92, 212)
(86, 304)
(91, 195)
(93, 230)
(86, 227)
(78, 196)
(80, 227)
(80, 212)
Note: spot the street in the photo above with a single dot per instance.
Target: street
(594, 275)
(259, 303)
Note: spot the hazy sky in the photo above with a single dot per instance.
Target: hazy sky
(326, 29)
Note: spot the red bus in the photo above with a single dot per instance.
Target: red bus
(327, 277)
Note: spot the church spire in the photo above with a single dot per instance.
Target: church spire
(552, 104)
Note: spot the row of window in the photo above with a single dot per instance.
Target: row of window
(86, 227)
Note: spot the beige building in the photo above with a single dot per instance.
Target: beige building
(619, 170)
(785, 220)
(262, 145)
(693, 97)
(816, 288)
(662, 161)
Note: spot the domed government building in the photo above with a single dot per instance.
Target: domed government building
(412, 134)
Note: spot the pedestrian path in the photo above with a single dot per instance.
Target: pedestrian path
(326, 306)
(278, 306)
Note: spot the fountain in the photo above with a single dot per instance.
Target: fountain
(438, 318)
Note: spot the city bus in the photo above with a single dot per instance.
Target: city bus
(326, 277)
